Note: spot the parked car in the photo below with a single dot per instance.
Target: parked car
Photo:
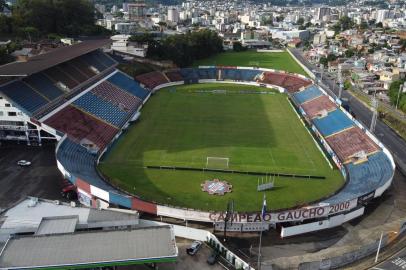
(213, 258)
(69, 191)
(194, 248)
(23, 163)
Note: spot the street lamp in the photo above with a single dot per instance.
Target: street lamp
(379, 245)
(322, 70)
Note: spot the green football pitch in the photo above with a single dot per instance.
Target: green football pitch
(273, 60)
(183, 125)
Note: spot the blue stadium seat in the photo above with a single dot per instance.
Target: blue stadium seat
(45, 86)
(124, 82)
(190, 75)
(249, 74)
(103, 58)
(80, 163)
(334, 122)
(207, 73)
(93, 61)
(230, 74)
(24, 96)
(307, 94)
(365, 177)
(102, 109)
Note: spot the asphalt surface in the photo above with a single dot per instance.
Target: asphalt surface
(396, 262)
(385, 134)
(41, 179)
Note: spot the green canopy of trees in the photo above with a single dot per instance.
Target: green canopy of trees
(183, 49)
(71, 18)
(394, 92)
(343, 24)
(237, 47)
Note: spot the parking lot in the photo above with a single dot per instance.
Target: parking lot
(185, 261)
(40, 179)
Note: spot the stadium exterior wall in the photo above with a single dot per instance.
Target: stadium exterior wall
(319, 211)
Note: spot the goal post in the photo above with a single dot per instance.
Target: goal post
(217, 162)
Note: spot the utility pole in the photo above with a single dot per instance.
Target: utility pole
(374, 114)
(321, 74)
(340, 81)
(379, 248)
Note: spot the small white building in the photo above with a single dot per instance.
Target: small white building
(123, 45)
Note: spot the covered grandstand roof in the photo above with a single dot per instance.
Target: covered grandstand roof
(92, 249)
(44, 61)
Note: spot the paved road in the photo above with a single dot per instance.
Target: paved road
(385, 134)
(41, 179)
(396, 262)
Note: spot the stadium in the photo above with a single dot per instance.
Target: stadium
(149, 143)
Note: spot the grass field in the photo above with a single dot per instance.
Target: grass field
(274, 60)
(181, 126)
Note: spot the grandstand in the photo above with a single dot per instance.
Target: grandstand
(207, 73)
(317, 106)
(152, 79)
(350, 142)
(332, 123)
(174, 75)
(190, 75)
(88, 103)
(80, 125)
(365, 178)
(24, 96)
(124, 82)
(307, 94)
(102, 109)
(44, 86)
(117, 96)
(290, 82)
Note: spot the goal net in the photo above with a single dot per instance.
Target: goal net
(217, 163)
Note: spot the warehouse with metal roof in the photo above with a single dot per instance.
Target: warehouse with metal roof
(90, 249)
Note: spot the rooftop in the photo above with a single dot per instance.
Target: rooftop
(34, 215)
(57, 56)
(90, 248)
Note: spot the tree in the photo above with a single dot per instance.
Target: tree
(73, 17)
(184, 49)
(394, 92)
(280, 18)
(300, 21)
(349, 53)
(346, 23)
(331, 57)
(29, 33)
(267, 21)
(3, 5)
(364, 25)
(347, 85)
(379, 25)
(323, 61)
(343, 24)
(403, 44)
(162, 26)
(6, 24)
(237, 47)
